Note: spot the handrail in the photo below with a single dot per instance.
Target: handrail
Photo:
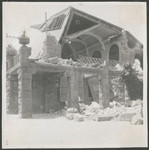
(111, 64)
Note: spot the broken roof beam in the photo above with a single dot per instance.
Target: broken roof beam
(75, 35)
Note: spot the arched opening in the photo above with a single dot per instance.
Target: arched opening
(96, 54)
(114, 53)
(67, 52)
(140, 58)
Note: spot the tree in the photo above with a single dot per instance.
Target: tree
(134, 85)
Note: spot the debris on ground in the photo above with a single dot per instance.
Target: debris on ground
(137, 120)
(95, 112)
(70, 116)
(72, 110)
(78, 117)
(126, 116)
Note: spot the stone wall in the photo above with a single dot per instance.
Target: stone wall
(46, 94)
(12, 94)
(51, 48)
(52, 95)
(87, 96)
(38, 93)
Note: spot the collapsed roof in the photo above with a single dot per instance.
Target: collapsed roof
(86, 29)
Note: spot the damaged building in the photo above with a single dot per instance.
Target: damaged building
(79, 57)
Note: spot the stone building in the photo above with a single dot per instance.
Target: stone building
(79, 56)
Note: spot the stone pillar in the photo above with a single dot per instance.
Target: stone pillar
(11, 87)
(24, 53)
(25, 83)
(8, 92)
(25, 93)
(74, 101)
(51, 48)
(105, 87)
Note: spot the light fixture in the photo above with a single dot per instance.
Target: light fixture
(77, 22)
(67, 40)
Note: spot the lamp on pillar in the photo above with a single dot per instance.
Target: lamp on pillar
(25, 51)
(23, 39)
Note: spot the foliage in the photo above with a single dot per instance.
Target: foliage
(134, 84)
(11, 50)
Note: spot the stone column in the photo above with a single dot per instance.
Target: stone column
(8, 92)
(105, 87)
(25, 83)
(25, 93)
(74, 101)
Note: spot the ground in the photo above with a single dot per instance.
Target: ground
(60, 132)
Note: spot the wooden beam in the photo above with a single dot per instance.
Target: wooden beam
(97, 37)
(74, 35)
(97, 44)
(11, 70)
(84, 16)
(78, 40)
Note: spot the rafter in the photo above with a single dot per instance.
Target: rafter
(79, 40)
(97, 37)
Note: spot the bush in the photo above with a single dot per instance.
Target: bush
(133, 84)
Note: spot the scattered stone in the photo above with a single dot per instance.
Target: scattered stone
(137, 120)
(54, 60)
(128, 103)
(72, 110)
(141, 112)
(139, 102)
(69, 116)
(136, 103)
(79, 118)
(126, 116)
(103, 118)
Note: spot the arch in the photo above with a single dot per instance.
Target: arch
(79, 40)
(140, 58)
(114, 52)
(67, 52)
(97, 37)
(97, 54)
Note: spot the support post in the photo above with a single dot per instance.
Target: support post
(24, 82)
(105, 87)
(74, 101)
(25, 93)
(8, 90)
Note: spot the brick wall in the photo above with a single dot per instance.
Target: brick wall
(38, 93)
(45, 94)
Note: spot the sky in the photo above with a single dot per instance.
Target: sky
(19, 16)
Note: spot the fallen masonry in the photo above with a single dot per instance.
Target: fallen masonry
(94, 112)
(76, 65)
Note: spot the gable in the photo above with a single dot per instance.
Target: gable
(79, 23)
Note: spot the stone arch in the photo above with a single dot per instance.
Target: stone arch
(97, 37)
(82, 42)
(114, 52)
(97, 54)
(140, 58)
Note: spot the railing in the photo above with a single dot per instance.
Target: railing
(111, 64)
(89, 60)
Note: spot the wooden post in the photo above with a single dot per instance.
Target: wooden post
(105, 87)
(74, 101)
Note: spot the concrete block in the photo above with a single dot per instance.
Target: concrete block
(126, 116)
(137, 120)
(69, 116)
(78, 118)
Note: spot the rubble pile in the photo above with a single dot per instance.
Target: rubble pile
(116, 112)
(67, 62)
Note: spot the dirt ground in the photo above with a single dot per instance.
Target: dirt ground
(60, 132)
